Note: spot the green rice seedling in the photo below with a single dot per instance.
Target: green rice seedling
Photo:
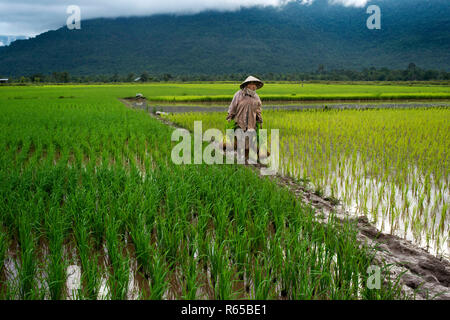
(119, 274)
(224, 285)
(203, 219)
(28, 261)
(241, 251)
(190, 274)
(4, 244)
(262, 279)
(90, 276)
(221, 220)
(443, 219)
(56, 273)
(159, 276)
(221, 271)
(97, 224)
(56, 227)
(89, 259)
(216, 263)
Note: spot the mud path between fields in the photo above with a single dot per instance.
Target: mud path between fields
(420, 271)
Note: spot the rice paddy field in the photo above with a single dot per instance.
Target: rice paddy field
(391, 165)
(91, 206)
(224, 91)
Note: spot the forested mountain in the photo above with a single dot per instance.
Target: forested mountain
(293, 38)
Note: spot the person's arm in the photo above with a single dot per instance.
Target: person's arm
(259, 112)
(233, 106)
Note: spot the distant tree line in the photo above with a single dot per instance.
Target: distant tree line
(411, 73)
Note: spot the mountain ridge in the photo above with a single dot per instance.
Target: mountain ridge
(295, 38)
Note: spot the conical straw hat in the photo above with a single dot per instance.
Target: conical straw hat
(259, 84)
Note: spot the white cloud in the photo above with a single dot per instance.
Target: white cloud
(1, 44)
(31, 17)
(350, 3)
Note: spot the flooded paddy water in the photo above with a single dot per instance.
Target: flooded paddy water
(392, 209)
(137, 282)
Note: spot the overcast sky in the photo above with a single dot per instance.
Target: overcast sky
(32, 17)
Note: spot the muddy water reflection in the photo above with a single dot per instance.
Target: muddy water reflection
(410, 211)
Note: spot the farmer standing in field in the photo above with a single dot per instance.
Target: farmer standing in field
(245, 109)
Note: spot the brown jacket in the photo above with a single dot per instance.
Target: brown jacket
(245, 110)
